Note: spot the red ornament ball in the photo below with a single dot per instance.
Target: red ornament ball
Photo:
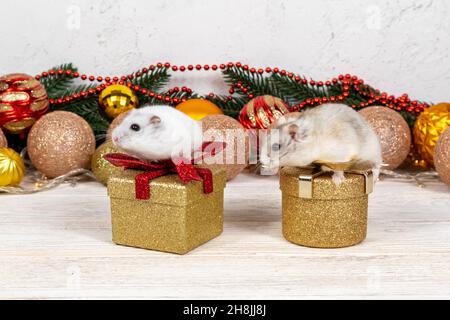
(23, 100)
(261, 111)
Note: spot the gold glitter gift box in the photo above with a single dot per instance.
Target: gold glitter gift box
(318, 214)
(177, 218)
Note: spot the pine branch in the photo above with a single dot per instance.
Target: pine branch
(256, 83)
(180, 95)
(77, 89)
(153, 80)
(56, 85)
(294, 92)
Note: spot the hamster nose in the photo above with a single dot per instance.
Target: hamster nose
(116, 139)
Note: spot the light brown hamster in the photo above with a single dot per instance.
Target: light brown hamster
(330, 133)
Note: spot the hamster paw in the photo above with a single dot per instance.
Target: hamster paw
(338, 177)
(376, 174)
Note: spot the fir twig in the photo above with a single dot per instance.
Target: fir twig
(256, 83)
(294, 92)
(57, 85)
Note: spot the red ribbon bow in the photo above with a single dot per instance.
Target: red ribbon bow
(186, 171)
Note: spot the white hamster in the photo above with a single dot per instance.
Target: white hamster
(158, 133)
(330, 133)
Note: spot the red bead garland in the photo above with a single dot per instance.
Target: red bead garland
(347, 82)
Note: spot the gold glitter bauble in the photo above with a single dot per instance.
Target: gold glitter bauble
(393, 132)
(442, 156)
(3, 141)
(234, 158)
(60, 142)
(117, 99)
(101, 168)
(197, 109)
(12, 168)
(428, 127)
(118, 120)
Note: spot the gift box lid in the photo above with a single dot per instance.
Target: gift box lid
(168, 189)
(315, 184)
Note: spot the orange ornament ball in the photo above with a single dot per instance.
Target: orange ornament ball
(197, 109)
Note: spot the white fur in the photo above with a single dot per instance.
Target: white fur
(176, 135)
(333, 133)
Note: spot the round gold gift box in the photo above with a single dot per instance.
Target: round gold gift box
(325, 216)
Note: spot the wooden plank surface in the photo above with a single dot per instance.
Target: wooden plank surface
(57, 244)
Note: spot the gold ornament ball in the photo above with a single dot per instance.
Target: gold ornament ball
(3, 141)
(12, 168)
(117, 99)
(101, 168)
(393, 132)
(427, 129)
(442, 156)
(115, 123)
(198, 109)
(60, 142)
(230, 131)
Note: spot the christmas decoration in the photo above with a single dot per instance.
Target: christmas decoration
(317, 213)
(83, 99)
(197, 109)
(245, 83)
(117, 99)
(12, 168)
(38, 183)
(100, 167)
(393, 132)
(195, 207)
(23, 100)
(414, 160)
(3, 141)
(118, 120)
(301, 93)
(60, 142)
(442, 156)
(427, 129)
(261, 111)
(235, 157)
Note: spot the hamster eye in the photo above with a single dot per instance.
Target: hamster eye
(135, 127)
(276, 147)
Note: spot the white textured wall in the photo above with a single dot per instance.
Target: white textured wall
(400, 46)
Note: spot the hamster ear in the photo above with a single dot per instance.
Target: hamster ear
(293, 131)
(155, 120)
(296, 133)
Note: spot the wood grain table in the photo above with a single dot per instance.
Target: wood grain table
(57, 244)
